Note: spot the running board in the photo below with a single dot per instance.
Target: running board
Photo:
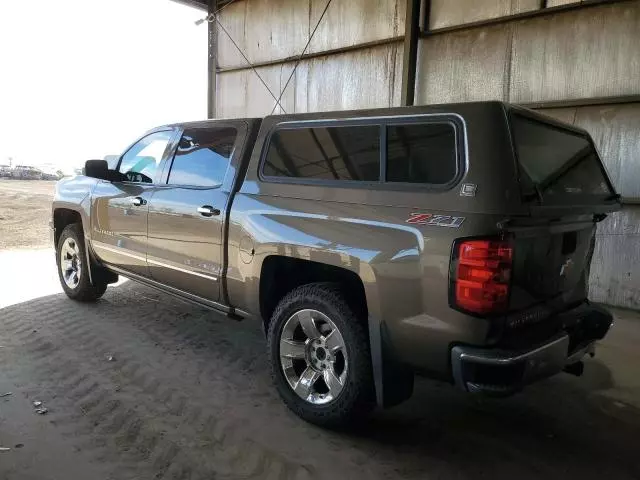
(230, 312)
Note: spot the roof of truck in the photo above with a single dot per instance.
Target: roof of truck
(366, 112)
(468, 110)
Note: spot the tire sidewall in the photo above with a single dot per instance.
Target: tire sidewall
(358, 359)
(74, 232)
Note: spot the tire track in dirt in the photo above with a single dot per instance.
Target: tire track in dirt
(64, 340)
(217, 365)
(188, 396)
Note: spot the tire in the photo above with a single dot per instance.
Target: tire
(352, 398)
(74, 274)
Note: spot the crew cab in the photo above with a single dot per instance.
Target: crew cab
(452, 241)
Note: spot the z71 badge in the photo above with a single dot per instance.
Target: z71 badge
(437, 220)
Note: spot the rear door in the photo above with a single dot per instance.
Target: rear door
(120, 208)
(186, 215)
(567, 189)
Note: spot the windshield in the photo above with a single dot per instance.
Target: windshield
(557, 166)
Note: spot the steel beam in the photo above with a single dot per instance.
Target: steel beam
(410, 58)
(212, 53)
(201, 5)
(306, 56)
(520, 16)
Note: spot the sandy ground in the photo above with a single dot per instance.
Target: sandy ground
(187, 395)
(25, 210)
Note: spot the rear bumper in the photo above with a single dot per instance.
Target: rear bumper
(503, 372)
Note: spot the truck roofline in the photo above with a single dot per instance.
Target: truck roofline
(367, 112)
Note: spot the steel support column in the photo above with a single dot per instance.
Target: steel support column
(411, 34)
(212, 53)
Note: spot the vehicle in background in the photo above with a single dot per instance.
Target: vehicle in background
(50, 171)
(51, 176)
(5, 171)
(25, 172)
(452, 241)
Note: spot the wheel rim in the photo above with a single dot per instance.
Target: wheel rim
(313, 356)
(70, 263)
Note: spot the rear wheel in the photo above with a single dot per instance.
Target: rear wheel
(319, 352)
(73, 269)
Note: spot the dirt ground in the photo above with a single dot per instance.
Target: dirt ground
(25, 210)
(142, 386)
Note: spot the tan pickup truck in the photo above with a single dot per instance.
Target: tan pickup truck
(452, 241)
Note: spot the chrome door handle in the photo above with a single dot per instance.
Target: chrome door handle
(137, 201)
(208, 211)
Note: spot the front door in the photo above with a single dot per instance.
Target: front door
(186, 215)
(120, 207)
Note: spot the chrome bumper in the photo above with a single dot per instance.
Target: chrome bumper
(500, 372)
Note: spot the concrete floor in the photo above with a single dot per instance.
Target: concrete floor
(188, 395)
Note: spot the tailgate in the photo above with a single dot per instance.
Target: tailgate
(551, 263)
(567, 190)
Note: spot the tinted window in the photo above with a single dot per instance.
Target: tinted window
(140, 162)
(421, 153)
(202, 157)
(557, 162)
(325, 153)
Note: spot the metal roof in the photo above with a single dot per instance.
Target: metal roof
(202, 4)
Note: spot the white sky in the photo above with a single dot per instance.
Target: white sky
(82, 79)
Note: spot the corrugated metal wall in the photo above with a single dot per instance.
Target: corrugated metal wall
(273, 33)
(588, 57)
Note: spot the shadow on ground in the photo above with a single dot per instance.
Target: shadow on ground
(189, 396)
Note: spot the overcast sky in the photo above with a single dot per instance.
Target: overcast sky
(82, 79)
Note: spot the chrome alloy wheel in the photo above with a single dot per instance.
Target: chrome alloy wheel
(70, 263)
(313, 356)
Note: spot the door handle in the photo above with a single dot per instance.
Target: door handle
(137, 201)
(208, 211)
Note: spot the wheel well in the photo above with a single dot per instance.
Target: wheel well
(63, 217)
(280, 275)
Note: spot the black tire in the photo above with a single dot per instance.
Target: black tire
(356, 399)
(84, 291)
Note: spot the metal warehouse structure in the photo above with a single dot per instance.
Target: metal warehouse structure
(577, 61)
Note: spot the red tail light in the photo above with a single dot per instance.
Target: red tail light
(482, 275)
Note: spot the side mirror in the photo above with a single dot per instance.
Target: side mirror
(97, 169)
(112, 161)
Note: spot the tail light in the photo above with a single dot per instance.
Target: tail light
(481, 275)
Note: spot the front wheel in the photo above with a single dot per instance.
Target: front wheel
(319, 353)
(73, 269)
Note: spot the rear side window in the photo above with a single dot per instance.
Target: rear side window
(325, 153)
(202, 157)
(421, 153)
(557, 165)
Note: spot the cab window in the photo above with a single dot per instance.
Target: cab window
(202, 157)
(140, 163)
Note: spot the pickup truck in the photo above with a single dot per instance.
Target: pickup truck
(451, 241)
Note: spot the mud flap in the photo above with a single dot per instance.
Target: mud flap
(101, 274)
(97, 273)
(393, 381)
